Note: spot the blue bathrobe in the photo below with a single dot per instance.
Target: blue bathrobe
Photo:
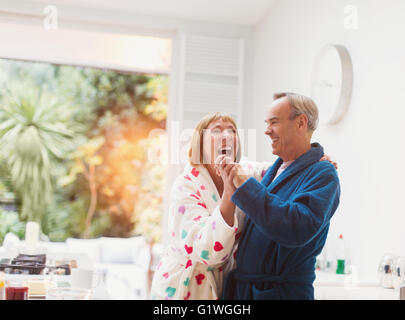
(286, 225)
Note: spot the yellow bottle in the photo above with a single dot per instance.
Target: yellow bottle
(2, 286)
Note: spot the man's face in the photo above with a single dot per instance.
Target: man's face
(281, 130)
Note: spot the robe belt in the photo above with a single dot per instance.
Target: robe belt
(295, 278)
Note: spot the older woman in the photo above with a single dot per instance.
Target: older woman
(204, 224)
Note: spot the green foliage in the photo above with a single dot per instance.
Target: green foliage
(9, 222)
(35, 130)
(5, 179)
(65, 219)
(61, 109)
(157, 108)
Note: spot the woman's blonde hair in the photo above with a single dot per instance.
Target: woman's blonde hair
(195, 151)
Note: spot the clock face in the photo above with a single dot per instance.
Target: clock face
(328, 88)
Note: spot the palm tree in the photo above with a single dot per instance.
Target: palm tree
(36, 130)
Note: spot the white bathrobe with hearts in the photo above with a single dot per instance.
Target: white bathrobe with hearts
(202, 245)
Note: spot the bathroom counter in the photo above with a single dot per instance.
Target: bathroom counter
(346, 287)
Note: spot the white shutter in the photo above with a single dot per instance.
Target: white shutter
(210, 77)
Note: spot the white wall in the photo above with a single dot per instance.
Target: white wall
(368, 143)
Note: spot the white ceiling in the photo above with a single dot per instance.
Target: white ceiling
(243, 12)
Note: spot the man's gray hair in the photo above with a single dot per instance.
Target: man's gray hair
(301, 105)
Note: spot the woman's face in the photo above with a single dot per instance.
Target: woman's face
(219, 138)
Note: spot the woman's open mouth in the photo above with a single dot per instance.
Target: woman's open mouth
(225, 150)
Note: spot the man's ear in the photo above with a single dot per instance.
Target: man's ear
(302, 121)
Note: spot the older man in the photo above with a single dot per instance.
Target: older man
(288, 212)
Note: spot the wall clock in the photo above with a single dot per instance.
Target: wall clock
(331, 83)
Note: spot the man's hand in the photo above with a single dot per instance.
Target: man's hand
(240, 177)
(230, 171)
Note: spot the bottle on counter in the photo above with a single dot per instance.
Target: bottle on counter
(402, 291)
(340, 263)
(2, 286)
(16, 290)
(323, 262)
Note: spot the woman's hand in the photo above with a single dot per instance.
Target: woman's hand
(327, 158)
(226, 168)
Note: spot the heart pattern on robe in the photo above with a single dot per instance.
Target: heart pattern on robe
(170, 291)
(200, 277)
(182, 209)
(187, 282)
(202, 204)
(204, 254)
(218, 246)
(188, 264)
(195, 172)
(189, 250)
(166, 275)
(194, 196)
(188, 296)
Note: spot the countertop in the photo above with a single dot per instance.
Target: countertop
(329, 286)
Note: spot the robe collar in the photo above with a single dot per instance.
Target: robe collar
(305, 160)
